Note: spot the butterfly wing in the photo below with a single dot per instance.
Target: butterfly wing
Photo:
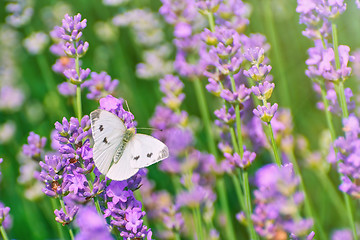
(108, 131)
(146, 150)
(122, 169)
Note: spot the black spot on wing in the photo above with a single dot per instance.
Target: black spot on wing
(105, 140)
(101, 128)
(137, 157)
(149, 155)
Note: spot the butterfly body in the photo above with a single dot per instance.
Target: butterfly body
(119, 152)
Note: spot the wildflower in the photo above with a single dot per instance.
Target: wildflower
(348, 155)
(67, 216)
(100, 85)
(92, 226)
(36, 42)
(277, 203)
(5, 219)
(35, 146)
(266, 113)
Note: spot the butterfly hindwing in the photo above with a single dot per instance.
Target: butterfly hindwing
(146, 150)
(107, 131)
(122, 169)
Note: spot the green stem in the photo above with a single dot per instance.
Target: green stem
(238, 191)
(198, 217)
(78, 90)
(64, 209)
(221, 189)
(274, 147)
(246, 187)
(177, 236)
(340, 91)
(211, 21)
(308, 207)
(336, 45)
(328, 115)
(3, 233)
(58, 225)
(200, 95)
(278, 60)
(78, 102)
(335, 198)
(96, 200)
(248, 211)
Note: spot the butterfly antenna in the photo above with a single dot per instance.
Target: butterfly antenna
(153, 129)
(127, 105)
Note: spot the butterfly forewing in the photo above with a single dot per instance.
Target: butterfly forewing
(147, 150)
(107, 131)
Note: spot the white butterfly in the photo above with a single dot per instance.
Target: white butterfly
(118, 152)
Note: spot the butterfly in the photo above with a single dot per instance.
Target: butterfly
(119, 152)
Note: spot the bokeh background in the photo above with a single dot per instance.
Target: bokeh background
(116, 50)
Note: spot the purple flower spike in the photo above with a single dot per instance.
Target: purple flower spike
(240, 96)
(5, 219)
(51, 174)
(349, 154)
(255, 55)
(92, 226)
(258, 73)
(277, 210)
(68, 217)
(100, 85)
(342, 234)
(266, 113)
(115, 105)
(235, 160)
(74, 77)
(263, 91)
(35, 146)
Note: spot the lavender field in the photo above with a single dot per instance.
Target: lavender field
(253, 108)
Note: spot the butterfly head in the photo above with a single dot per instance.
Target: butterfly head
(132, 130)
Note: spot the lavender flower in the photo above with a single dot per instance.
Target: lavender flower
(35, 146)
(277, 202)
(92, 226)
(115, 106)
(348, 155)
(125, 211)
(172, 87)
(5, 219)
(233, 161)
(36, 42)
(100, 85)
(69, 42)
(263, 91)
(67, 216)
(343, 234)
(20, 13)
(11, 98)
(266, 113)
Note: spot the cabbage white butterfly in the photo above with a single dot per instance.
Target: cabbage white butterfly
(119, 152)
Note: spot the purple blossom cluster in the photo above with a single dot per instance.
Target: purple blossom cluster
(348, 155)
(316, 15)
(124, 210)
(100, 85)
(277, 203)
(35, 146)
(178, 136)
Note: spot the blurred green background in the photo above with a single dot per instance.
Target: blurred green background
(44, 106)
